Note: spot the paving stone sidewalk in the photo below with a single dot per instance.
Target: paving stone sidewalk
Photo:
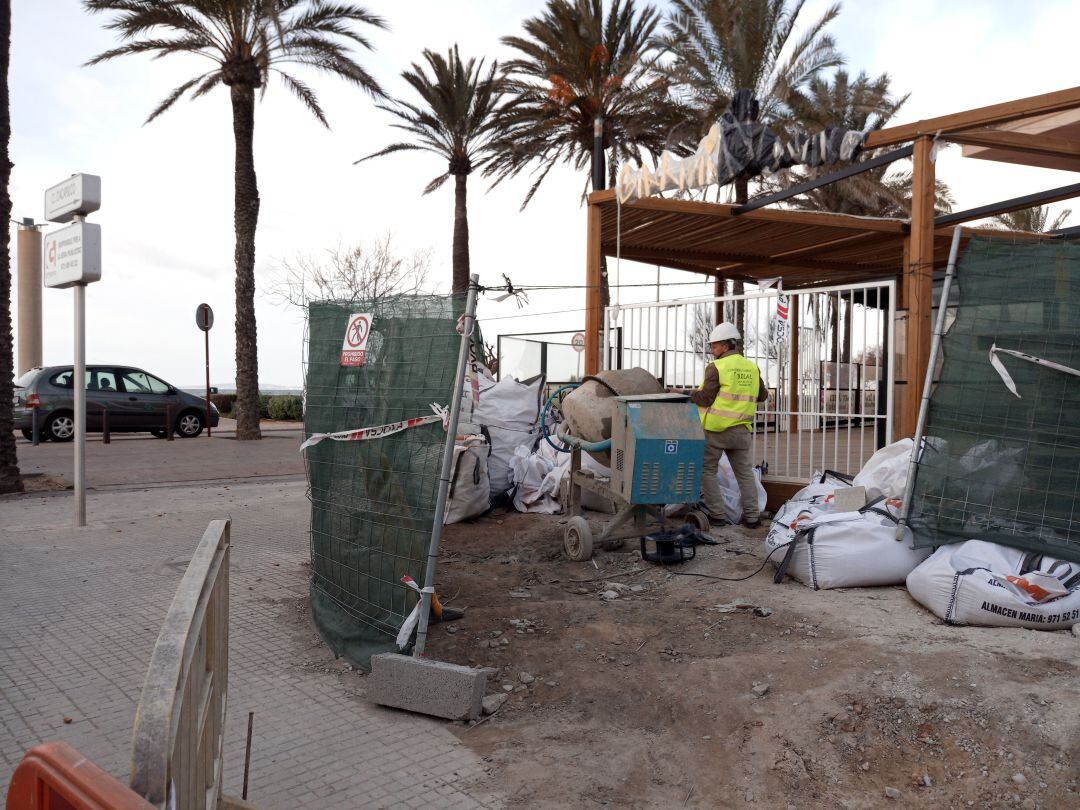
(81, 611)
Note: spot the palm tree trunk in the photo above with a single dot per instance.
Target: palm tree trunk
(9, 462)
(461, 234)
(245, 219)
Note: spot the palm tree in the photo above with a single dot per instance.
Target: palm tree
(456, 121)
(578, 65)
(1032, 220)
(863, 104)
(9, 462)
(721, 46)
(246, 40)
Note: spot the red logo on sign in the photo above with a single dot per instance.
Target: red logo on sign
(357, 332)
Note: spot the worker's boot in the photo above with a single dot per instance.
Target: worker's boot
(714, 519)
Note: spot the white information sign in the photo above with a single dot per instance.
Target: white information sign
(354, 346)
(72, 255)
(79, 195)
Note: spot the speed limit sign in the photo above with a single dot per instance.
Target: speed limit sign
(578, 342)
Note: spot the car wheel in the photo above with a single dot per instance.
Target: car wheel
(28, 434)
(60, 427)
(158, 434)
(189, 425)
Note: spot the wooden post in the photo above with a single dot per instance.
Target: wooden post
(594, 313)
(793, 375)
(918, 293)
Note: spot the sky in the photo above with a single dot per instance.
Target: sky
(166, 212)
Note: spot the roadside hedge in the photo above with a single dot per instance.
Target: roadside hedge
(286, 407)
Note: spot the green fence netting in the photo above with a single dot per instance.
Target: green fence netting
(373, 502)
(997, 467)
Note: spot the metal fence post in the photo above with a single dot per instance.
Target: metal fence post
(106, 437)
(468, 323)
(169, 422)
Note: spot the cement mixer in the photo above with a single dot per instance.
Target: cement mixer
(657, 444)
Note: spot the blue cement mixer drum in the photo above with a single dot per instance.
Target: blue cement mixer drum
(657, 447)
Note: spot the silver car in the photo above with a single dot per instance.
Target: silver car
(130, 399)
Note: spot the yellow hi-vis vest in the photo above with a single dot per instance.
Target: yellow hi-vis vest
(736, 402)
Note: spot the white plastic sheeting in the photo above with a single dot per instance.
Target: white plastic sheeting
(981, 583)
(729, 489)
(540, 480)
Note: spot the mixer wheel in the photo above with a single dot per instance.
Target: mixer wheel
(578, 540)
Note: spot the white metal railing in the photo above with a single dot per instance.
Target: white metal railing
(825, 377)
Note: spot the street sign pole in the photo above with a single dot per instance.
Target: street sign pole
(79, 385)
(206, 334)
(204, 319)
(72, 258)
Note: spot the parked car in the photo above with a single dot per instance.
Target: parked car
(133, 399)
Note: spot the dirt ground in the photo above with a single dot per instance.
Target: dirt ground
(648, 700)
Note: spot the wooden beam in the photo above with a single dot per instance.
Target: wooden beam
(594, 314)
(720, 259)
(706, 209)
(1016, 142)
(918, 283)
(980, 117)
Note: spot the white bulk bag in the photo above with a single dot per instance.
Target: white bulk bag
(885, 474)
(981, 583)
(823, 483)
(507, 414)
(470, 494)
(851, 549)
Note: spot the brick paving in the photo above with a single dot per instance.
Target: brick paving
(81, 612)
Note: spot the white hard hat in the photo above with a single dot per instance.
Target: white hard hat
(724, 331)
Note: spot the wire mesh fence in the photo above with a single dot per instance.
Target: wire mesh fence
(997, 466)
(373, 502)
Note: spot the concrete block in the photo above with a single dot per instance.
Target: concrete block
(425, 686)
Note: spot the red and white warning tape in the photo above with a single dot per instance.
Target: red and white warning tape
(1006, 378)
(441, 414)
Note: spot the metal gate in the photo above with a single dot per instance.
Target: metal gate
(824, 354)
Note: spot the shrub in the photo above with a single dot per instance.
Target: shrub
(287, 407)
(225, 403)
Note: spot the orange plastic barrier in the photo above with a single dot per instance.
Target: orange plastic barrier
(54, 776)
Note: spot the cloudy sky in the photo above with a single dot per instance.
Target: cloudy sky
(167, 186)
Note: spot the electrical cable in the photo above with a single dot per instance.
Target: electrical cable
(732, 579)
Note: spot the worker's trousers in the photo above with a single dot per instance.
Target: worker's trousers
(737, 443)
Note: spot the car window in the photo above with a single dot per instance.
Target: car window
(139, 382)
(63, 379)
(101, 380)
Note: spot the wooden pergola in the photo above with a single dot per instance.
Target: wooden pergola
(811, 248)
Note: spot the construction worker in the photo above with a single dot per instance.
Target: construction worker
(727, 401)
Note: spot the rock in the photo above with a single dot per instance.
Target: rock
(749, 796)
(496, 633)
(520, 594)
(1019, 778)
(892, 793)
(490, 672)
(927, 782)
(503, 642)
(526, 678)
(618, 587)
(763, 611)
(609, 595)
(640, 588)
(865, 766)
(551, 684)
(451, 629)
(508, 687)
(492, 703)
(1076, 629)
(760, 689)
